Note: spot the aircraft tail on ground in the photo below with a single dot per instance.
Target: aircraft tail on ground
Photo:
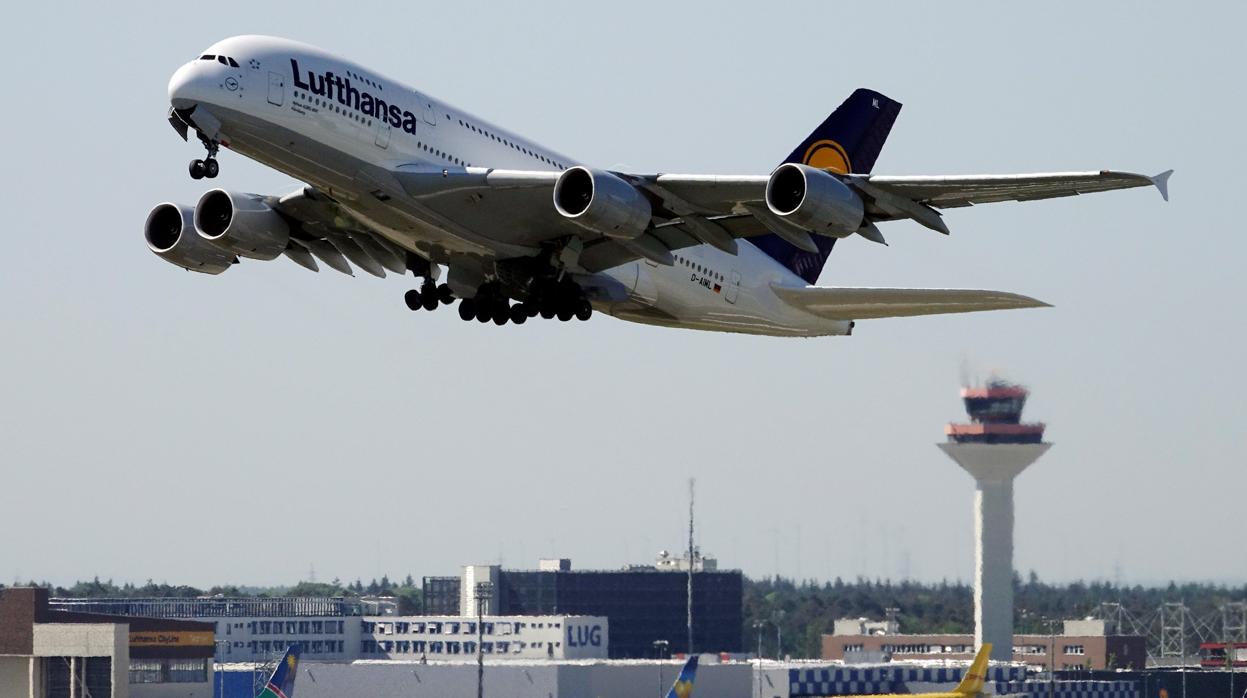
(281, 683)
(683, 686)
(972, 684)
(849, 140)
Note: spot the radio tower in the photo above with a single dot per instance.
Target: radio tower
(994, 448)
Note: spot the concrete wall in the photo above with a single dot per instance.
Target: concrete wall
(646, 680)
(14, 676)
(88, 640)
(81, 640)
(770, 681)
(512, 679)
(394, 679)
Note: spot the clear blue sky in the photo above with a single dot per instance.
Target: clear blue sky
(162, 424)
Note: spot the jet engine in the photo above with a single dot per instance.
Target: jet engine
(601, 202)
(242, 224)
(170, 233)
(814, 200)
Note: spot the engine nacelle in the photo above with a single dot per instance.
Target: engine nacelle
(814, 200)
(601, 202)
(241, 224)
(170, 233)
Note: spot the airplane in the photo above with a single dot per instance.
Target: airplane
(971, 685)
(398, 181)
(683, 686)
(281, 683)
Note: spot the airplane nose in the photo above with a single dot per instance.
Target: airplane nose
(184, 86)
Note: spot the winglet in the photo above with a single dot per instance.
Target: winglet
(1162, 183)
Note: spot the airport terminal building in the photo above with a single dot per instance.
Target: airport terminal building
(338, 629)
(551, 613)
(50, 653)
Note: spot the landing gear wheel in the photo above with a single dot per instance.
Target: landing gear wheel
(429, 300)
(548, 309)
(566, 313)
(412, 298)
(584, 311)
(467, 309)
(197, 169)
(445, 295)
(483, 311)
(211, 168)
(519, 313)
(502, 313)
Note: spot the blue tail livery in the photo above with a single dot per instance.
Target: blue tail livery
(281, 683)
(849, 140)
(683, 686)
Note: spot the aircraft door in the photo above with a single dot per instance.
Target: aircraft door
(276, 89)
(383, 134)
(733, 288)
(430, 118)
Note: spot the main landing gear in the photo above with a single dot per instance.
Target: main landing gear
(562, 300)
(429, 296)
(207, 167)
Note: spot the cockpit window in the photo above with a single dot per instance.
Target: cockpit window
(207, 57)
(221, 60)
(232, 63)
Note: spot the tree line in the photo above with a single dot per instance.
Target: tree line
(797, 614)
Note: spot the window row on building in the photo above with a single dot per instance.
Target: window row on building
(289, 627)
(422, 647)
(452, 627)
(168, 671)
(918, 649)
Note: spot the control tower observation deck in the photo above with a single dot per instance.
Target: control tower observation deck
(994, 448)
(995, 416)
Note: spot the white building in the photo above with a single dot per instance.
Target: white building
(451, 638)
(256, 630)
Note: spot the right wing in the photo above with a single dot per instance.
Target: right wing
(867, 303)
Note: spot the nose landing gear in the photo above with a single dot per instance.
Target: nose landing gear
(207, 167)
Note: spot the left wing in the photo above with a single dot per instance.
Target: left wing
(515, 207)
(867, 303)
(967, 190)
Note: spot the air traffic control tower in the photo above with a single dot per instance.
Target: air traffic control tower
(994, 448)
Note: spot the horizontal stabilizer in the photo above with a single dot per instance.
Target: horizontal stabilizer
(866, 303)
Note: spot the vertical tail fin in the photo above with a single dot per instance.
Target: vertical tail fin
(849, 140)
(972, 684)
(281, 683)
(683, 686)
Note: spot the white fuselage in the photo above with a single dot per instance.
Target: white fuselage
(342, 135)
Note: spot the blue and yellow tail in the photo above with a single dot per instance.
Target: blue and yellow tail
(683, 686)
(281, 683)
(849, 140)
